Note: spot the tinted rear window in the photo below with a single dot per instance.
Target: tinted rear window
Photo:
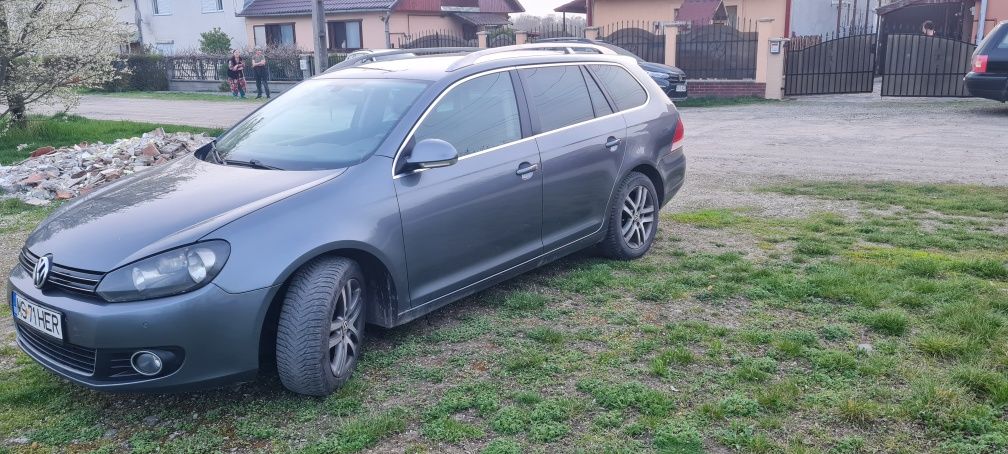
(625, 91)
(558, 94)
(996, 39)
(602, 107)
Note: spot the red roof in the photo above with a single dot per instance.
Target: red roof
(576, 6)
(699, 10)
(481, 6)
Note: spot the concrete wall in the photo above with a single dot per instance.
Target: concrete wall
(181, 29)
(372, 27)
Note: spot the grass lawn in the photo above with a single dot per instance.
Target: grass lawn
(879, 332)
(184, 96)
(69, 130)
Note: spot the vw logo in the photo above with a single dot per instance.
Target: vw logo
(41, 272)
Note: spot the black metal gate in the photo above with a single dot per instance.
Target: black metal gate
(931, 66)
(831, 66)
(643, 38)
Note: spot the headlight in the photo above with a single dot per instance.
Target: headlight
(656, 75)
(169, 273)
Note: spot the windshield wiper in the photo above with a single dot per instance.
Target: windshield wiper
(253, 163)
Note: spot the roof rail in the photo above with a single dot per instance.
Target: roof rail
(567, 48)
(406, 53)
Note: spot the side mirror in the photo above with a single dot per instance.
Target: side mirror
(431, 154)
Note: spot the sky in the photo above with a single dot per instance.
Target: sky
(541, 7)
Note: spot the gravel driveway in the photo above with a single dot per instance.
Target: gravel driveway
(733, 149)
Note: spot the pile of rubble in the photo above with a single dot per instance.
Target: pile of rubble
(66, 173)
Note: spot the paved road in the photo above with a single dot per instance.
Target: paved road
(828, 137)
(217, 114)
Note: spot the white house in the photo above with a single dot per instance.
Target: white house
(173, 25)
(817, 17)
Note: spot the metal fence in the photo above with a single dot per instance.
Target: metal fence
(501, 37)
(718, 51)
(436, 38)
(830, 64)
(286, 69)
(646, 39)
(555, 30)
(918, 65)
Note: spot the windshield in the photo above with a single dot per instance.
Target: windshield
(320, 124)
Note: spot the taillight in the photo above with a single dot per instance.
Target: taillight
(680, 133)
(980, 64)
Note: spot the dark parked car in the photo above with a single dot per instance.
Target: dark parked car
(374, 194)
(672, 80)
(989, 77)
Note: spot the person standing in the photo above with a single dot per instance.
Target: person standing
(236, 74)
(261, 73)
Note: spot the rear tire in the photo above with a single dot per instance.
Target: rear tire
(633, 219)
(321, 327)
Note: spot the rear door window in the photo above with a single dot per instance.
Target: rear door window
(558, 94)
(598, 99)
(625, 91)
(476, 115)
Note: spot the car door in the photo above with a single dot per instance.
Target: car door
(581, 144)
(483, 215)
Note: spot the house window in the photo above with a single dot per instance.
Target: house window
(213, 6)
(165, 47)
(345, 35)
(274, 35)
(162, 7)
(732, 15)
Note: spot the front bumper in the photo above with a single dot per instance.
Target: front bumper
(672, 89)
(217, 334)
(990, 86)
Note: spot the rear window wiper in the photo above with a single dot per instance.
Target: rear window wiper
(253, 163)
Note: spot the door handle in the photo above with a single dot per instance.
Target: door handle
(612, 144)
(525, 169)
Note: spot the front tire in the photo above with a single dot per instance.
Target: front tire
(633, 219)
(321, 326)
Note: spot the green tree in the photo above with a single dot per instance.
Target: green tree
(214, 42)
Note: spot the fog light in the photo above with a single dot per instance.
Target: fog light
(146, 363)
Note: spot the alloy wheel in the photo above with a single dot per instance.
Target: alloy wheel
(344, 334)
(637, 217)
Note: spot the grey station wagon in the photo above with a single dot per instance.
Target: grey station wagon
(372, 194)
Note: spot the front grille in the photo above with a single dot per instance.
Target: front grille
(69, 279)
(80, 359)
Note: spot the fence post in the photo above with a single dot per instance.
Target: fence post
(769, 67)
(483, 37)
(521, 37)
(775, 68)
(591, 33)
(671, 41)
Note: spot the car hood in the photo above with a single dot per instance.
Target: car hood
(159, 209)
(660, 68)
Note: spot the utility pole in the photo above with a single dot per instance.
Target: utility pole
(839, 8)
(319, 36)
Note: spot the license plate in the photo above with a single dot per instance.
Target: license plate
(680, 88)
(45, 320)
